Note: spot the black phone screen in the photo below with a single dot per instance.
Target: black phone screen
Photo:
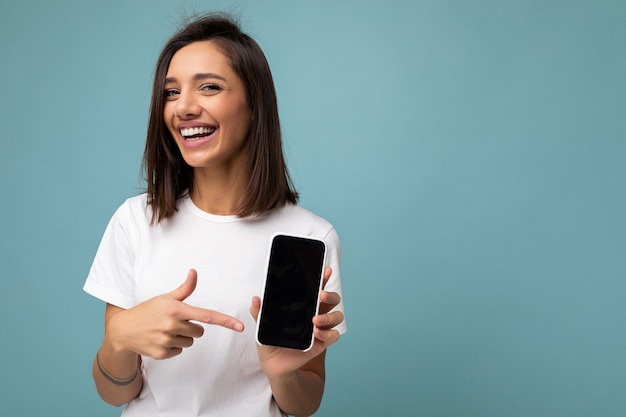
(292, 285)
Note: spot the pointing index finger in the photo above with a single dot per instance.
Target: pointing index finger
(207, 316)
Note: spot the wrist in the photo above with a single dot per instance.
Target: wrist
(282, 378)
(297, 393)
(116, 357)
(115, 379)
(114, 340)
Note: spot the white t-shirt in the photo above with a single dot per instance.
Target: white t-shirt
(220, 374)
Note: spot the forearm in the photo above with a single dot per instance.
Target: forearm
(117, 375)
(298, 393)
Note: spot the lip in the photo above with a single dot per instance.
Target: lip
(199, 141)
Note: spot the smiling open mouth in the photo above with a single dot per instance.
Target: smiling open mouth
(195, 133)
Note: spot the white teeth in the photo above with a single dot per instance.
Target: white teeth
(191, 131)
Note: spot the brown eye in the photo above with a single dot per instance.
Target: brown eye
(170, 92)
(211, 88)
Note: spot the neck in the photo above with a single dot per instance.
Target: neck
(217, 194)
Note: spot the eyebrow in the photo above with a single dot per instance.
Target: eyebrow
(197, 77)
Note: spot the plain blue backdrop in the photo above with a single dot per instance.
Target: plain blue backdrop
(472, 155)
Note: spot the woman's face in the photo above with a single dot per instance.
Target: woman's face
(206, 109)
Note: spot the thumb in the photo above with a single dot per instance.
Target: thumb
(255, 307)
(187, 287)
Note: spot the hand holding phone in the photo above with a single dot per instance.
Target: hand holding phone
(292, 288)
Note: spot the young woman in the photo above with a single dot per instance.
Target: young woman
(217, 191)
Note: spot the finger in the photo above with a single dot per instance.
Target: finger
(255, 307)
(187, 287)
(174, 344)
(328, 337)
(170, 353)
(181, 342)
(328, 321)
(189, 329)
(328, 301)
(204, 315)
(328, 271)
(164, 352)
(330, 298)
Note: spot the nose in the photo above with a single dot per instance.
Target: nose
(187, 106)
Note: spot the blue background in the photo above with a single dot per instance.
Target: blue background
(472, 156)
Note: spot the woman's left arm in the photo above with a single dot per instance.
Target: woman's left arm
(297, 378)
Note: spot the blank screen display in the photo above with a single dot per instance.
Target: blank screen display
(291, 290)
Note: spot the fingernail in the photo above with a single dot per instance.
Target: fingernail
(238, 327)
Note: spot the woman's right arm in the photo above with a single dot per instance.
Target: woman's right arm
(159, 328)
(115, 371)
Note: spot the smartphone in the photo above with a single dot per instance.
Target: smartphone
(293, 282)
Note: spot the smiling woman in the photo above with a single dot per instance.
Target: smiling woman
(218, 190)
(208, 116)
(241, 61)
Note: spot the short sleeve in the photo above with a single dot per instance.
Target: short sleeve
(333, 257)
(111, 277)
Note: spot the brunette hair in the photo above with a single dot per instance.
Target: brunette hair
(168, 176)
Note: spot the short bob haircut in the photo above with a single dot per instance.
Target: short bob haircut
(168, 176)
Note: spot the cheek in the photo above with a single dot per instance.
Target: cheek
(168, 115)
(241, 118)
